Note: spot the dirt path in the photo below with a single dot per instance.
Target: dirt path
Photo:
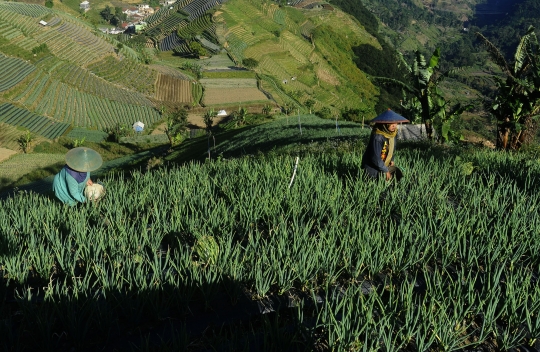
(6, 153)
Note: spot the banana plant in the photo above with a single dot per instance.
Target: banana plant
(517, 105)
(420, 88)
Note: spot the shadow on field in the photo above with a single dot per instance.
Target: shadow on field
(215, 317)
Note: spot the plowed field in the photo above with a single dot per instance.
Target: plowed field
(173, 89)
(213, 96)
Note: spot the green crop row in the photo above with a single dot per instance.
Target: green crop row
(130, 74)
(88, 135)
(34, 123)
(31, 10)
(13, 71)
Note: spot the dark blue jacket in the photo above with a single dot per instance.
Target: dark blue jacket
(372, 160)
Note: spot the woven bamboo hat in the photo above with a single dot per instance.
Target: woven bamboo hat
(83, 159)
(389, 117)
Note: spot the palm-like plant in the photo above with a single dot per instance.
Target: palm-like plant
(208, 120)
(239, 117)
(421, 84)
(266, 109)
(517, 104)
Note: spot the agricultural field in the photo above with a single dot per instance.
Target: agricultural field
(173, 89)
(230, 91)
(9, 135)
(41, 125)
(13, 71)
(87, 135)
(324, 260)
(279, 39)
(216, 96)
(20, 165)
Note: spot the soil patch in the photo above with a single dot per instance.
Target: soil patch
(6, 153)
(197, 119)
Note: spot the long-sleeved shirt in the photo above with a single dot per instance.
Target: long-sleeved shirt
(67, 189)
(375, 155)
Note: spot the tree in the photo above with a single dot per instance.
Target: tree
(208, 120)
(250, 63)
(324, 113)
(287, 108)
(197, 49)
(49, 3)
(176, 124)
(309, 104)
(266, 109)
(239, 117)
(25, 141)
(517, 104)
(107, 14)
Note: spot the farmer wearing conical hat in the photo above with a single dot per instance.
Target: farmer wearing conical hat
(70, 183)
(378, 158)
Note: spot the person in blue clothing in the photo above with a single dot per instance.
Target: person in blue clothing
(69, 184)
(378, 159)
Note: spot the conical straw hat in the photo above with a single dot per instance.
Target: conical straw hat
(83, 159)
(389, 117)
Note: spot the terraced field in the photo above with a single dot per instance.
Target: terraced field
(9, 135)
(216, 96)
(173, 89)
(41, 125)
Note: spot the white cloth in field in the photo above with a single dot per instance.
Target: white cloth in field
(94, 192)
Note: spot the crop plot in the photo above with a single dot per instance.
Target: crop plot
(13, 71)
(426, 260)
(214, 96)
(173, 89)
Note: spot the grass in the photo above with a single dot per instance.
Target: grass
(47, 159)
(281, 135)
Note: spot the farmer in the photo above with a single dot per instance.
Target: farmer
(378, 158)
(73, 180)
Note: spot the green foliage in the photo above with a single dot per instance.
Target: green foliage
(176, 124)
(207, 249)
(355, 256)
(49, 4)
(42, 48)
(197, 49)
(25, 141)
(208, 120)
(324, 113)
(250, 63)
(309, 103)
(118, 131)
(517, 104)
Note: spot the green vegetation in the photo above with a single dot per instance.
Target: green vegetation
(517, 104)
(425, 263)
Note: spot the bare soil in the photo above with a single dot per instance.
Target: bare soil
(6, 154)
(214, 96)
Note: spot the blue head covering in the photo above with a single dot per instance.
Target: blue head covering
(389, 117)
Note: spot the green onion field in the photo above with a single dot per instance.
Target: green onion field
(230, 255)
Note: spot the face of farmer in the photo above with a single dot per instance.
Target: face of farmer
(392, 127)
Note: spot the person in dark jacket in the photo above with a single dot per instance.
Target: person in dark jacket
(378, 158)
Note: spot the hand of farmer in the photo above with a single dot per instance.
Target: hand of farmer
(392, 163)
(89, 182)
(388, 176)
